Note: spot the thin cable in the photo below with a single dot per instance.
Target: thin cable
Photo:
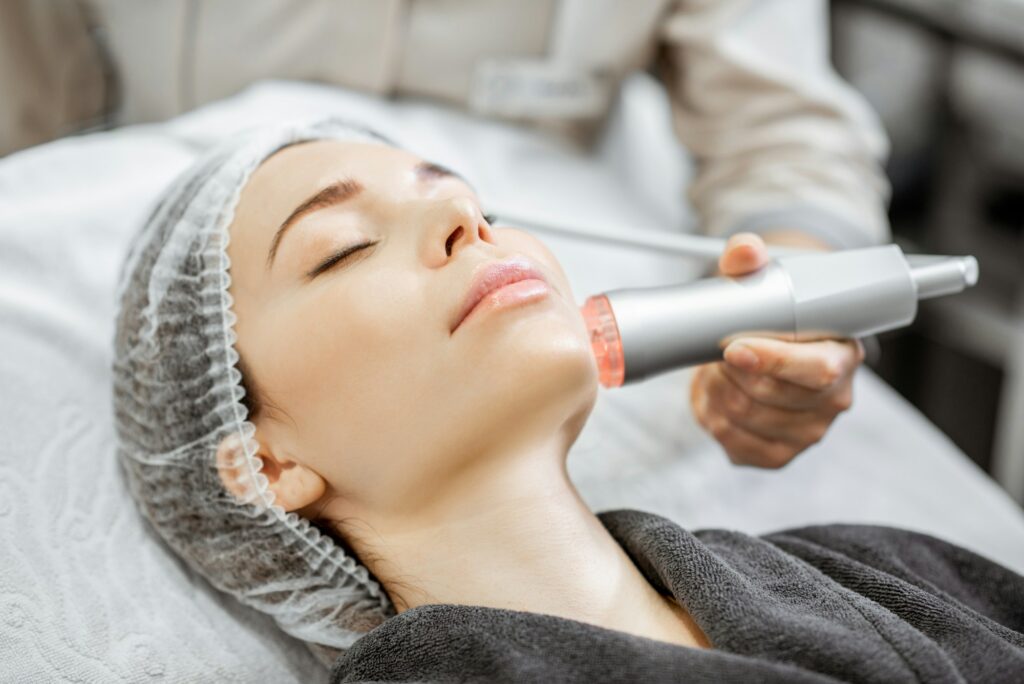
(700, 247)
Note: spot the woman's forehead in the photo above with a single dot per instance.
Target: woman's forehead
(310, 162)
(288, 177)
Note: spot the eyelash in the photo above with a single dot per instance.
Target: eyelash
(338, 257)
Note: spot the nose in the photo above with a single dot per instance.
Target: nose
(455, 223)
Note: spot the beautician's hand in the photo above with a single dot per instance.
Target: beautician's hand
(769, 400)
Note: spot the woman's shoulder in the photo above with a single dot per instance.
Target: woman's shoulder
(898, 550)
(855, 555)
(907, 571)
(865, 542)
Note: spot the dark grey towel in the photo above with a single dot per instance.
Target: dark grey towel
(836, 602)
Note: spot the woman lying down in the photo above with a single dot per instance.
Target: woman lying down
(318, 420)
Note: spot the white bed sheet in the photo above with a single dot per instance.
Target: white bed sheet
(87, 594)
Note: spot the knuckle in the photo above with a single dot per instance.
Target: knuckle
(762, 387)
(842, 401)
(831, 371)
(786, 454)
(778, 456)
(698, 415)
(737, 403)
(741, 454)
(700, 412)
(777, 364)
(817, 432)
(720, 429)
(737, 457)
(698, 398)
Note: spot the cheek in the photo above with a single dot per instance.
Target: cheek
(368, 376)
(341, 363)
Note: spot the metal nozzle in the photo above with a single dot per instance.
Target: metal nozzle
(935, 276)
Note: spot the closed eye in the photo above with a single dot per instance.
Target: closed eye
(338, 257)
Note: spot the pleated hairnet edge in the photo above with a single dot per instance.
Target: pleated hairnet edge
(260, 494)
(325, 645)
(325, 547)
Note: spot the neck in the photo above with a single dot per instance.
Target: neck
(514, 533)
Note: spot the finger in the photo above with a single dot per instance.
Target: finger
(814, 365)
(782, 394)
(796, 428)
(744, 448)
(698, 395)
(744, 253)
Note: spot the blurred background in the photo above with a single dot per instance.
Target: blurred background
(947, 78)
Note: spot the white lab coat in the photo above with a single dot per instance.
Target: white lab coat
(778, 139)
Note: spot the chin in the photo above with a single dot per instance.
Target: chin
(519, 376)
(544, 361)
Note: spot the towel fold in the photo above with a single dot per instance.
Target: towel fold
(815, 604)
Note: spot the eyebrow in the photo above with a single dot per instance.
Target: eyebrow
(431, 170)
(344, 189)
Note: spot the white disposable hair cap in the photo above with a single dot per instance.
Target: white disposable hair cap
(181, 420)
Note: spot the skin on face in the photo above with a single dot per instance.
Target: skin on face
(438, 455)
(368, 396)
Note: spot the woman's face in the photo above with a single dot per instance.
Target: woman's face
(365, 373)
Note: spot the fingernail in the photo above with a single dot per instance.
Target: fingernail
(741, 356)
(746, 239)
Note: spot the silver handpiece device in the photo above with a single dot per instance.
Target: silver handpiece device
(636, 333)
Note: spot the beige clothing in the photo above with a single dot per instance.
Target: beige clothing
(51, 75)
(778, 139)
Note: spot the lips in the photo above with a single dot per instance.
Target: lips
(493, 276)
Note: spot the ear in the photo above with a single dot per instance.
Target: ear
(293, 484)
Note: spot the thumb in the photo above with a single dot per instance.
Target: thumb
(744, 253)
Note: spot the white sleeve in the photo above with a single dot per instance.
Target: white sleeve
(780, 141)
